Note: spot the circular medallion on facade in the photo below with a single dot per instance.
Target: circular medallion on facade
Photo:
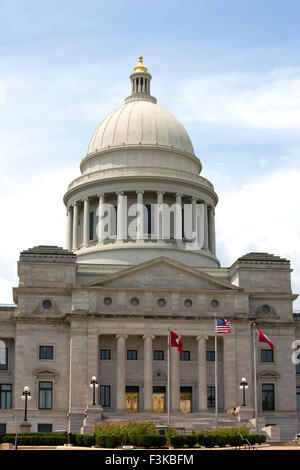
(188, 303)
(265, 309)
(214, 303)
(107, 300)
(134, 301)
(47, 304)
(161, 302)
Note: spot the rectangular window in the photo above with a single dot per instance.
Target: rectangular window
(266, 355)
(105, 354)
(148, 221)
(210, 355)
(46, 352)
(2, 428)
(44, 427)
(268, 398)
(185, 356)
(45, 395)
(298, 365)
(5, 396)
(298, 398)
(131, 354)
(158, 355)
(105, 395)
(3, 358)
(91, 235)
(211, 397)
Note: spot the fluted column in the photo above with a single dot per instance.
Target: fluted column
(101, 232)
(121, 372)
(75, 225)
(175, 380)
(205, 246)
(178, 218)
(69, 243)
(140, 217)
(86, 221)
(202, 374)
(211, 226)
(148, 379)
(159, 215)
(121, 217)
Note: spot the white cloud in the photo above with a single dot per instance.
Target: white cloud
(262, 216)
(265, 101)
(32, 213)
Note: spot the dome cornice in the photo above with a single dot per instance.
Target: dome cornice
(140, 146)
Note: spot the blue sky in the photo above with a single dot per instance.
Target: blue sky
(229, 70)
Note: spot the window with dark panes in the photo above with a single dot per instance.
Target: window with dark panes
(266, 355)
(105, 395)
(46, 352)
(268, 397)
(105, 354)
(158, 355)
(45, 395)
(5, 396)
(132, 355)
(185, 356)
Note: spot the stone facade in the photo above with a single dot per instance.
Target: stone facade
(103, 307)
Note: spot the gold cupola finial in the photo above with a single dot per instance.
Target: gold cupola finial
(140, 66)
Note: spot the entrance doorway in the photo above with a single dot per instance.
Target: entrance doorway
(159, 399)
(132, 399)
(186, 395)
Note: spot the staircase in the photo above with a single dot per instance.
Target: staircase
(188, 422)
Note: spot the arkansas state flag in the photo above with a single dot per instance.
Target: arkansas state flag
(176, 341)
(264, 339)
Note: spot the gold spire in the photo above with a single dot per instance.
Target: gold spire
(140, 66)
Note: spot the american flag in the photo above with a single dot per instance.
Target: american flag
(223, 326)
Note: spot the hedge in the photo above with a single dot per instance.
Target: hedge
(83, 440)
(34, 440)
(152, 441)
(109, 441)
(212, 439)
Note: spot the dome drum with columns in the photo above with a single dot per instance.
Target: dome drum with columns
(143, 152)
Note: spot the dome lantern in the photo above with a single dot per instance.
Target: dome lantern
(140, 84)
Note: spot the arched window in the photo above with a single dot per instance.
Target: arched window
(3, 355)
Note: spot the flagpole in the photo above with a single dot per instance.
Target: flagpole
(168, 387)
(255, 378)
(216, 372)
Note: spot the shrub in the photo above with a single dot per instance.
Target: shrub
(201, 439)
(178, 441)
(85, 440)
(128, 432)
(152, 441)
(100, 440)
(191, 440)
(112, 441)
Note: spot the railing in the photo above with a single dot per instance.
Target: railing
(247, 444)
(6, 311)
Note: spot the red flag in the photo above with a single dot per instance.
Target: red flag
(264, 339)
(176, 341)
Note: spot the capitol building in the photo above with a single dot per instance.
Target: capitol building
(140, 259)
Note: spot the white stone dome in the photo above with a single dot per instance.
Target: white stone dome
(140, 122)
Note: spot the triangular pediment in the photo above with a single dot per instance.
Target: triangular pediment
(162, 273)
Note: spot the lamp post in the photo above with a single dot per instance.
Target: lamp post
(26, 396)
(244, 386)
(94, 385)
